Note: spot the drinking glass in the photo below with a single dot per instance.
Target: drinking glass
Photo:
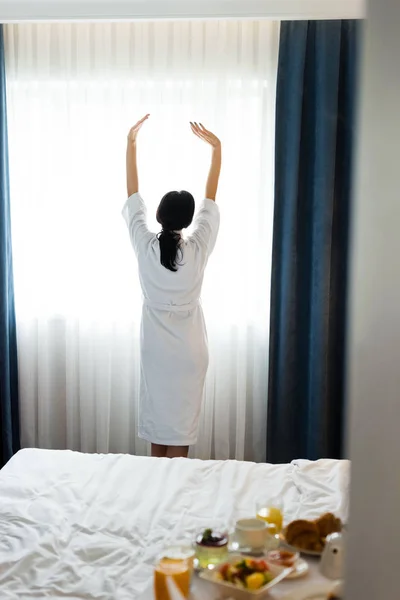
(178, 571)
(270, 511)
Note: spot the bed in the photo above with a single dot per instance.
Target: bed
(80, 526)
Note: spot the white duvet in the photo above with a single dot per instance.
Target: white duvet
(79, 526)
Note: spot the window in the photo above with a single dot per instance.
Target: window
(73, 92)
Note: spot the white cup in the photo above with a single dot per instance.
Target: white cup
(252, 533)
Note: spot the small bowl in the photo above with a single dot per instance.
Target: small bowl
(224, 589)
(283, 558)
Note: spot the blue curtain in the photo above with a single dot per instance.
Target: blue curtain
(315, 102)
(9, 413)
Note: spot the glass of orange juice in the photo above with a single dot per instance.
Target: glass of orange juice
(180, 552)
(270, 511)
(178, 571)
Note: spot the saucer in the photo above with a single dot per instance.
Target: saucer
(271, 544)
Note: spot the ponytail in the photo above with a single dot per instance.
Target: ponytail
(174, 213)
(169, 248)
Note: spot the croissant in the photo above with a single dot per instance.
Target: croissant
(327, 524)
(303, 534)
(311, 535)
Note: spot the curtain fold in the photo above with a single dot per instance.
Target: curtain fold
(9, 412)
(316, 91)
(74, 91)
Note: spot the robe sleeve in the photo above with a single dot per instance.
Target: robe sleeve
(206, 226)
(135, 215)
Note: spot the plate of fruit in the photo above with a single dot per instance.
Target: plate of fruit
(244, 578)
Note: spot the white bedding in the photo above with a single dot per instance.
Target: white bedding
(79, 526)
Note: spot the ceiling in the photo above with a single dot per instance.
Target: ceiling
(53, 10)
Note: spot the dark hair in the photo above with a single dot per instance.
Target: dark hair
(174, 213)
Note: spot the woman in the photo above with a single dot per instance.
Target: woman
(174, 351)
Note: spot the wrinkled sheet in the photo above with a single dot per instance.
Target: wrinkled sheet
(80, 526)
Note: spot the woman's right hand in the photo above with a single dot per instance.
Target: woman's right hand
(132, 135)
(205, 135)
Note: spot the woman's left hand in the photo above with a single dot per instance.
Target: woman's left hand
(132, 135)
(205, 135)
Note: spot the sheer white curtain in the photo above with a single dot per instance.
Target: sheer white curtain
(73, 92)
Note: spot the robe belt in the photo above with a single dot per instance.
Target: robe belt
(171, 307)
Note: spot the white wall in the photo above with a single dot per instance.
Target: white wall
(374, 350)
(15, 10)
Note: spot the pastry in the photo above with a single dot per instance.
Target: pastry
(295, 528)
(304, 535)
(311, 535)
(308, 541)
(328, 524)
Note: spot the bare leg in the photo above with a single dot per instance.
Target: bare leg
(177, 451)
(159, 451)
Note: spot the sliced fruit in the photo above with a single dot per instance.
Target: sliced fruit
(255, 581)
(268, 577)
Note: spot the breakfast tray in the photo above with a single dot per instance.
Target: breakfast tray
(202, 590)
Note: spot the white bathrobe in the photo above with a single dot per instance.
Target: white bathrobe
(174, 350)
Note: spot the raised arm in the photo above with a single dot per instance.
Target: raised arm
(215, 168)
(132, 180)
